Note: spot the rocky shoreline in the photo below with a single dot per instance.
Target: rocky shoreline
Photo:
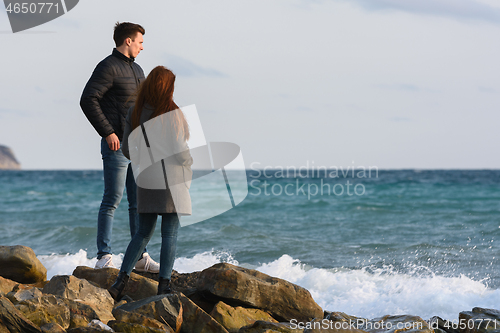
(222, 298)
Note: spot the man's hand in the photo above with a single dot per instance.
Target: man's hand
(113, 142)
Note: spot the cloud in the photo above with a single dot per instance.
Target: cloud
(458, 9)
(12, 113)
(487, 90)
(399, 86)
(400, 119)
(183, 67)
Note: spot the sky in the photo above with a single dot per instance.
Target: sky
(396, 84)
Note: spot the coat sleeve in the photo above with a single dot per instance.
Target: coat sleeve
(126, 133)
(99, 83)
(181, 148)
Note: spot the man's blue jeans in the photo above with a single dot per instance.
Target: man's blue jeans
(118, 175)
(147, 224)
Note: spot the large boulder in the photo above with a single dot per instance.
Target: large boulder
(240, 286)
(19, 263)
(12, 320)
(479, 320)
(235, 318)
(138, 287)
(71, 287)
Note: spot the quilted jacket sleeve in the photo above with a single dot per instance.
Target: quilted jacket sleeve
(99, 83)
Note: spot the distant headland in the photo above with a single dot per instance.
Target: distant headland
(7, 159)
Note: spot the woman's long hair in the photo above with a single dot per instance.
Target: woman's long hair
(158, 91)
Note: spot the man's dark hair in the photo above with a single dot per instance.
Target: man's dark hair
(125, 30)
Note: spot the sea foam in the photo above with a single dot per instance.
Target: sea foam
(368, 292)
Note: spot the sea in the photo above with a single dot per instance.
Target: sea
(364, 242)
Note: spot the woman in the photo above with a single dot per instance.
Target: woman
(162, 185)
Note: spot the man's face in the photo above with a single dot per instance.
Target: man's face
(136, 46)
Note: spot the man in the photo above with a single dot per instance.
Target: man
(105, 101)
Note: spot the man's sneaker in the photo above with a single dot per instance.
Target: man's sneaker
(147, 264)
(104, 262)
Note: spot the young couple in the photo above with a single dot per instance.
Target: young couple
(117, 100)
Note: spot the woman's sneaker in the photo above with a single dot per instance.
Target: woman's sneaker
(147, 264)
(104, 262)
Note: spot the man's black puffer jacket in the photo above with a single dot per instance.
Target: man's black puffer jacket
(110, 92)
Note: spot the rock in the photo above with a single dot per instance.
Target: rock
(137, 318)
(7, 285)
(261, 326)
(479, 320)
(52, 328)
(395, 324)
(178, 311)
(71, 287)
(80, 314)
(185, 282)
(21, 294)
(138, 287)
(7, 159)
(46, 310)
(195, 320)
(19, 263)
(166, 309)
(440, 325)
(235, 318)
(12, 320)
(133, 328)
(54, 309)
(199, 299)
(240, 286)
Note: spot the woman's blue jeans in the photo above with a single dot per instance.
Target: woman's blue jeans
(147, 224)
(118, 175)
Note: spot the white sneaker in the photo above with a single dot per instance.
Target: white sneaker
(147, 264)
(104, 262)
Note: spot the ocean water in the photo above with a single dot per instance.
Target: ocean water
(421, 242)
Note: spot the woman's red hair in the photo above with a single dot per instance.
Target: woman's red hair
(158, 91)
